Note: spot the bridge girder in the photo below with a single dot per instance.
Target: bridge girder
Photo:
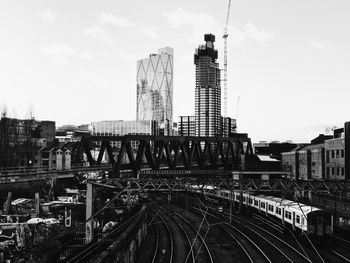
(166, 152)
(187, 184)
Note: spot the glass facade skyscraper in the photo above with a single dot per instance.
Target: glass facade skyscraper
(155, 89)
(208, 90)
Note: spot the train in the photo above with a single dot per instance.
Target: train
(300, 217)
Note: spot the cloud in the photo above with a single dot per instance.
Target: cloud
(249, 32)
(257, 34)
(323, 48)
(321, 45)
(112, 20)
(100, 33)
(102, 29)
(151, 32)
(86, 55)
(201, 23)
(47, 16)
(61, 54)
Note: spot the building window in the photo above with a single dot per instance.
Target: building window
(333, 171)
(332, 153)
(338, 171)
(342, 171)
(327, 156)
(337, 154)
(342, 153)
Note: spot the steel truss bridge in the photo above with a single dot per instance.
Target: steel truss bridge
(166, 152)
(212, 183)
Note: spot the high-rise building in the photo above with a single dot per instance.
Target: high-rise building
(187, 126)
(229, 126)
(155, 89)
(208, 90)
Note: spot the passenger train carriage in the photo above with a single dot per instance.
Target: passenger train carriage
(304, 218)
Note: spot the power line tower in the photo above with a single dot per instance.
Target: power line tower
(225, 58)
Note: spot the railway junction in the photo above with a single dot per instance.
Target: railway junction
(161, 203)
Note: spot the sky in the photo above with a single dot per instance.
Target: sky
(74, 62)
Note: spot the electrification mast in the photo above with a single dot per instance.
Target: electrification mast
(225, 59)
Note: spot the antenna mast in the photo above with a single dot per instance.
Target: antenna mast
(225, 59)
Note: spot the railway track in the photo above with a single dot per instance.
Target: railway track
(199, 250)
(271, 248)
(94, 250)
(166, 235)
(270, 240)
(164, 244)
(340, 248)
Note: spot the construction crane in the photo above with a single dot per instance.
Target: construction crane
(237, 107)
(225, 58)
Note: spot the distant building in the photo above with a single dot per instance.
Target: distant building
(155, 89)
(335, 158)
(187, 126)
(328, 159)
(71, 133)
(229, 126)
(121, 128)
(208, 89)
(54, 158)
(273, 149)
(20, 139)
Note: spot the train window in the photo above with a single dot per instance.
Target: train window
(250, 201)
(302, 221)
(270, 208)
(256, 202)
(262, 205)
(298, 219)
(243, 199)
(288, 215)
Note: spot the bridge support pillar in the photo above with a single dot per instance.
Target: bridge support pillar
(240, 201)
(89, 228)
(8, 203)
(37, 204)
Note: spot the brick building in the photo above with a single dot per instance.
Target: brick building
(328, 159)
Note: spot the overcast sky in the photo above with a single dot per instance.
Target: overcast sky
(75, 61)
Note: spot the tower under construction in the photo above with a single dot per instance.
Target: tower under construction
(208, 89)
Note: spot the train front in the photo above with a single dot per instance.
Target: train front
(319, 224)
